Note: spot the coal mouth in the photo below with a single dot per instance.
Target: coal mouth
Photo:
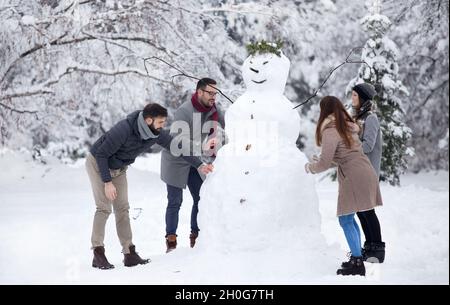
(260, 82)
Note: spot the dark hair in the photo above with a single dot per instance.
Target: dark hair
(205, 82)
(154, 110)
(332, 105)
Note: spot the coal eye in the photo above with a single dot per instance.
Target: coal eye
(251, 62)
(265, 62)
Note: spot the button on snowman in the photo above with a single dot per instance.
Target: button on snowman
(259, 188)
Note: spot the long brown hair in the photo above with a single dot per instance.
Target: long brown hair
(332, 105)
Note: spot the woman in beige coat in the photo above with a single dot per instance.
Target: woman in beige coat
(337, 135)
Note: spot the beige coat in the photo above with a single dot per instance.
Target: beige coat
(359, 189)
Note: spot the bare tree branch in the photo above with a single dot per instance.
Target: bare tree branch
(29, 92)
(347, 61)
(430, 94)
(16, 110)
(130, 38)
(181, 73)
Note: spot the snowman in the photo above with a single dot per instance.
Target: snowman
(259, 195)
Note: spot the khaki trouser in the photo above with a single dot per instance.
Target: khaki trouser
(104, 205)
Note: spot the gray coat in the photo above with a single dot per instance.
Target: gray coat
(175, 170)
(372, 140)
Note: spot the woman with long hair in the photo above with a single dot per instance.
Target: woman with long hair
(337, 135)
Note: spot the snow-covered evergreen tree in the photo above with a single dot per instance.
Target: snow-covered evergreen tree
(381, 55)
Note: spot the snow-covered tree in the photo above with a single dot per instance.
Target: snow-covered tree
(70, 69)
(380, 55)
(421, 28)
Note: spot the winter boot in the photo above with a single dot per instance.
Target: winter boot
(374, 252)
(356, 267)
(193, 238)
(100, 260)
(347, 264)
(171, 242)
(365, 248)
(132, 259)
(349, 254)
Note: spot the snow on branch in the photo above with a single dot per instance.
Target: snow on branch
(30, 91)
(129, 38)
(243, 8)
(43, 88)
(31, 51)
(12, 109)
(88, 36)
(73, 4)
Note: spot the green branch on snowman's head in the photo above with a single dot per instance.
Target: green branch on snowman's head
(263, 47)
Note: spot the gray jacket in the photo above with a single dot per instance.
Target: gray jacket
(175, 170)
(372, 140)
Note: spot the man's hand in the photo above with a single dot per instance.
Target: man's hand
(206, 169)
(110, 191)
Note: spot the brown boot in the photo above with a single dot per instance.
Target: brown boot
(132, 259)
(171, 242)
(193, 238)
(100, 260)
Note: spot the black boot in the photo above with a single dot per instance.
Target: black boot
(132, 259)
(374, 252)
(349, 254)
(355, 267)
(347, 264)
(100, 260)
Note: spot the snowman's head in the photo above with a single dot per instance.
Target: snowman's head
(267, 72)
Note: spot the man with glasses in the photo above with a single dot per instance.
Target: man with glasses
(198, 113)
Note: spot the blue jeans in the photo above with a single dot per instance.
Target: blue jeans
(175, 198)
(352, 233)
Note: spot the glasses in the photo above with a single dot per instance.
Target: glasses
(211, 93)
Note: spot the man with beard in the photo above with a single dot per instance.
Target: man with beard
(107, 164)
(199, 113)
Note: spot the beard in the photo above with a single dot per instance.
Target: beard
(156, 131)
(207, 102)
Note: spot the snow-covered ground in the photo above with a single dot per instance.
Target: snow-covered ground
(47, 211)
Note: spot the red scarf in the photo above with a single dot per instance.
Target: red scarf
(203, 109)
(214, 116)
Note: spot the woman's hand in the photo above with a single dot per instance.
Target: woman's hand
(307, 169)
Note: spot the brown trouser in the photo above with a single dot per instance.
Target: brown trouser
(104, 205)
